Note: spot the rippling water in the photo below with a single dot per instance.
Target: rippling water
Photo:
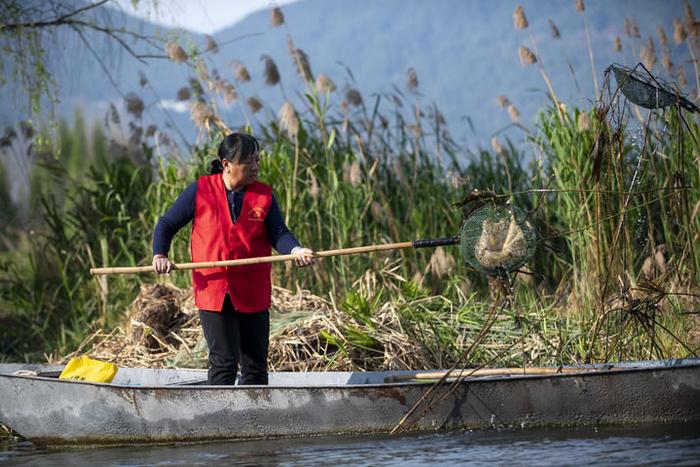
(648, 445)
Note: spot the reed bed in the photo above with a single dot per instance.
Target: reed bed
(609, 188)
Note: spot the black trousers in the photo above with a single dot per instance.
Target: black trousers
(234, 337)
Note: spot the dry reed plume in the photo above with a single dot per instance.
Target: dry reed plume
(580, 7)
(682, 81)
(211, 46)
(230, 93)
(134, 105)
(276, 17)
(354, 97)
(301, 61)
(143, 81)
(271, 73)
(663, 40)
(324, 84)
(175, 52)
(240, 72)
(555, 30)
(219, 85)
(196, 87)
(411, 79)
(514, 113)
(183, 94)
(694, 30)
(655, 265)
(519, 19)
(679, 33)
(503, 101)
(631, 29)
(201, 114)
(441, 263)
(666, 62)
(634, 28)
(314, 189)
(690, 23)
(203, 71)
(254, 104)
(288, 120)
(353, 174)
(496, 146)
(526, 56)
(617, 47)
(416, 130)
(649, 54)
(583, 122)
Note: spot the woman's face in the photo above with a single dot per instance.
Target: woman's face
(242, 174)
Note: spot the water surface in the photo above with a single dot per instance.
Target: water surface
(647, 445)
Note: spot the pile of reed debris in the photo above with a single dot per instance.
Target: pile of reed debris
(162, 329)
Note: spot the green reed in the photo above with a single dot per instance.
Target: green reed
(615, 275)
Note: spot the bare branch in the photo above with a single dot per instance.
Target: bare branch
(61, 20)
(85, 8)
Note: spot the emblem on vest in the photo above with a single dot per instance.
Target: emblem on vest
(255, 214)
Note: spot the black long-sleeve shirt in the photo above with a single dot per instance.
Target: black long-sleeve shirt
(182, 212)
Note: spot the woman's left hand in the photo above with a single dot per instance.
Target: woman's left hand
(303, 256)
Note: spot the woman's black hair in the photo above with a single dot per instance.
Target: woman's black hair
(236, 147)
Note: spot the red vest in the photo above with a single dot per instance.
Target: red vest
(215, 238)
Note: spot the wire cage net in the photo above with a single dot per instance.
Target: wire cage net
(497, 239)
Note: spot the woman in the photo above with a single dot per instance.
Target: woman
(234, 217)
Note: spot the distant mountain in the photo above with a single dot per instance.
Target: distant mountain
(465, 53)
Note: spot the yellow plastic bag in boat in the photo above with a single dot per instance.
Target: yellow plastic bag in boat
(87, 369)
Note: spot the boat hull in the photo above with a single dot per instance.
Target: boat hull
(48, 411)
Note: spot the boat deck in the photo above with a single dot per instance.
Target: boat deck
(173, 377)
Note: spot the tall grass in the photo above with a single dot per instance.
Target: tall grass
(615, 275)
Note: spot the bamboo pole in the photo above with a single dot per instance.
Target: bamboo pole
(454, 374)
(281, 258)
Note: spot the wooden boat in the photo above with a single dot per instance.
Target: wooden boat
(171, 405)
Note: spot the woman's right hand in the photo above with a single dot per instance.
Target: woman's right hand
(162, 264)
